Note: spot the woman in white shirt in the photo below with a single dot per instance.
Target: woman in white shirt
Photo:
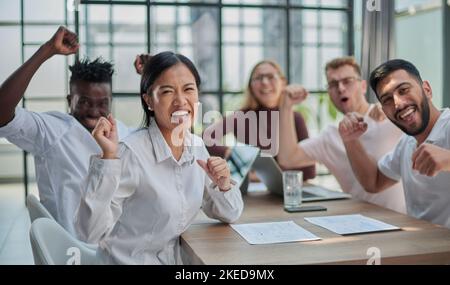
(143, 193)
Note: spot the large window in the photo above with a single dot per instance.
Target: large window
(224, 38)
(419, 23)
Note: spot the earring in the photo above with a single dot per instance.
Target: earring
(149, 108)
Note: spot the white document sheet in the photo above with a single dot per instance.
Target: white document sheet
(256, 187)
(269, 233)
(351, 224)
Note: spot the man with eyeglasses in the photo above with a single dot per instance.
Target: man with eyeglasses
(347, 92)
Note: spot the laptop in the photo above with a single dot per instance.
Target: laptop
(240, 162)
(271, 175)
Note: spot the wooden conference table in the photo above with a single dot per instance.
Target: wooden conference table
(419, 242)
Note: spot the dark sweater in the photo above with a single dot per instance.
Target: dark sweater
(300, 126)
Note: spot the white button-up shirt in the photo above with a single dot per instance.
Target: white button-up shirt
(139, 205)
(61, 147)
(427, 198)
(379, 139)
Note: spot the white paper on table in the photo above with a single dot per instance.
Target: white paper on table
(269, 233)
(351, 224)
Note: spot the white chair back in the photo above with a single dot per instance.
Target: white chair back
(53, 245)
(36, 209)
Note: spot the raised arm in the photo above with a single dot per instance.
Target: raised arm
(290, 154)
(140, 62)
(221, 200)
(365, 167)
(12, 90)
(110, 181)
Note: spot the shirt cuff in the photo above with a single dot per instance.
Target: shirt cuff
(215, 193)
(105, 166)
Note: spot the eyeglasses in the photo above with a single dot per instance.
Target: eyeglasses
(269, 76)
(334, 85)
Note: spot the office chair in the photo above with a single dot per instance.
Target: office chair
(36, 209)
(53, 245)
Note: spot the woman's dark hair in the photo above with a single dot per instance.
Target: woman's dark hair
(154, 68)
(384, 70)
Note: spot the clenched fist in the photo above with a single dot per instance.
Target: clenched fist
(63, 42)
(293, 95)
(430, 160)
(219, 172)
(105, 133)
(140, 61)
(377, 113)
(352, 127)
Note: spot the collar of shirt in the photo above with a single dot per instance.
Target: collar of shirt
(162, 149)
(438, 132)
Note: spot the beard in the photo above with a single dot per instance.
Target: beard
(425, 114)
